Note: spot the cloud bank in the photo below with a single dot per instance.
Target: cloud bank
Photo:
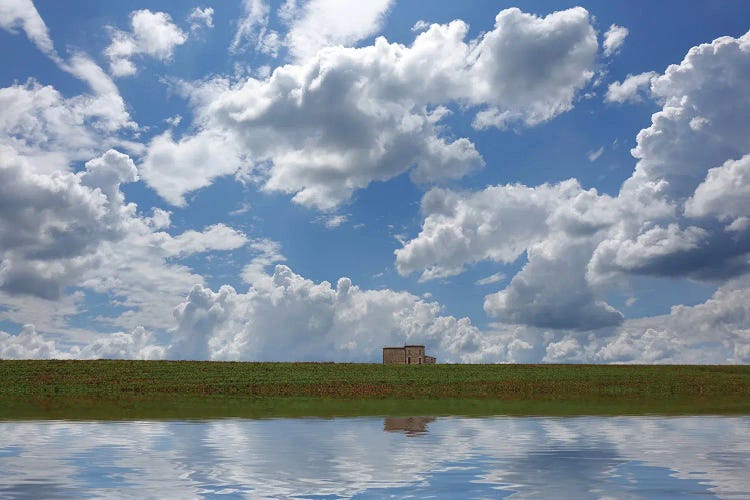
(345, 117)
(680, 214)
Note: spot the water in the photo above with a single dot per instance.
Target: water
(447, 457)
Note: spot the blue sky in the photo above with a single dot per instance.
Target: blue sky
(527, 181)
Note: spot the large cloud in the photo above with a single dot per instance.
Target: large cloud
(62, 229)
(501, 223)
(551, 290)
(66, 235)
(346, 117)
(282, 317)
(51, 225)
(670, 224)
(680, 214)
(528, 69)
(285, 317)
(724, 193)
(498, 223)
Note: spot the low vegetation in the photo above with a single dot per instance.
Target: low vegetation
(125, 389)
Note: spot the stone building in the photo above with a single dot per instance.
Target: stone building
(407, 355)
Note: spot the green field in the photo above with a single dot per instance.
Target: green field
(172, 389)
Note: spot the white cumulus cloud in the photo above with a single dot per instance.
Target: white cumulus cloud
(216, 237)
(316, 24)
(631, 89)
(334, 123)
(613, 39)
(201, 18)
(151, 33)
(53, 224)
(680, 214)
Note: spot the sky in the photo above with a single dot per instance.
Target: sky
(316, 179)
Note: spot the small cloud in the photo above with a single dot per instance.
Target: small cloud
(630, 301)
(253, 31)
(698, 123)
(244, 208)
(152, 34)
(331, 221)
(174, 121)
(613, 39)
(594, 155)
(739, 225)
(494, 278)
(599, 77)
(218, 237)
(161, 219)
(420, 25)
(631, 89)
(200, 18)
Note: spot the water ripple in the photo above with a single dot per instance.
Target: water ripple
(582, 457)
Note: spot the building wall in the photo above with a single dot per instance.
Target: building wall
(394, 356)
(407, 355)
(414, 354)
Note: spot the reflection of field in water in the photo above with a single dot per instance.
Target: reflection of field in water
(375, 457)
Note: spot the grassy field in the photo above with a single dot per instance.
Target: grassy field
(156, 389)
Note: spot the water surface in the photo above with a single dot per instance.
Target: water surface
(446, 457)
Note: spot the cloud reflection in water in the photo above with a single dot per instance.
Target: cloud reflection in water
(368, 457)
